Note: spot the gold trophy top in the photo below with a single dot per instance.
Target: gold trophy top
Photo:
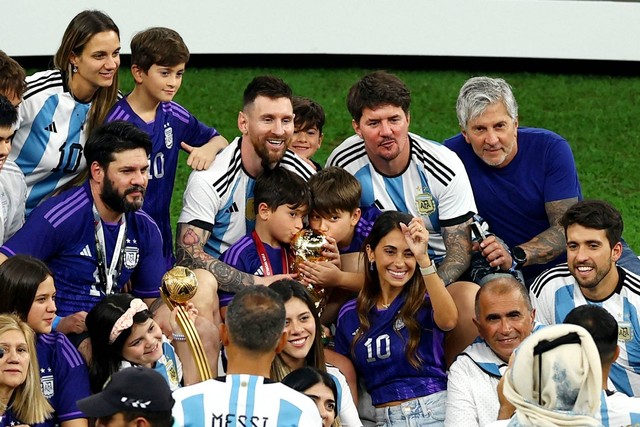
(179, 284)
(306, 245)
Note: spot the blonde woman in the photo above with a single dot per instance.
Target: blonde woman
(21, 398)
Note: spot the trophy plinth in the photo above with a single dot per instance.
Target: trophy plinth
(179, 285)
(306, 245)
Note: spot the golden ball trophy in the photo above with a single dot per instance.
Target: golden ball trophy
(179, 285)
(306, 245)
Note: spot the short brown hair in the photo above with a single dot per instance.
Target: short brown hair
(333, 189)
(158, 45)
(377, 89)
(12, 77)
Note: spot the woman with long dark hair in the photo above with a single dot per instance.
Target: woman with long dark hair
(62, 106)
(304, 345)
(394, 331)
(321, 388)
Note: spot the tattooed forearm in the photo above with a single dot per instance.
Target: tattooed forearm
(550, 243)
(458, 245)
(190, 253)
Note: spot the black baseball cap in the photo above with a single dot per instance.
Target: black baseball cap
(134, 389)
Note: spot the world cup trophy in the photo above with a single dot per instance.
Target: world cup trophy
(179, 285)
(306, 245)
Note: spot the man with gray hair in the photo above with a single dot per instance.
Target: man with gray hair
(523, 179)
(504, 318)
(252, 335)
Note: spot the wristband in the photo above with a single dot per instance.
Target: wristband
(430, 269)
(56, 322)
(179, 337)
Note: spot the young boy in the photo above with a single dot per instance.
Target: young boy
(280, 203)
(13, 187)
(12, 79)
(307, 134)
(335, 211)
(158, 58)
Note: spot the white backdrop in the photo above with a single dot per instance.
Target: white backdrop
(469, 28)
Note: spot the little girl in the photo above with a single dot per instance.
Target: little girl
(123, 333)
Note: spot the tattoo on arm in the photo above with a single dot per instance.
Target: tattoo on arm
(190, 253)
(551, 242)
(457, 242)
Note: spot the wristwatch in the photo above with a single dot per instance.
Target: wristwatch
(519, 256)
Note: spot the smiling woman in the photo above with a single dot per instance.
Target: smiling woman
(304, 345)
(21, 399)
(394, 331)
(62, 106)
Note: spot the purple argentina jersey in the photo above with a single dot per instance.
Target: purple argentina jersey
(61, 233)
(243, 255)
(380, 356)
(63, 376)
(363, 228)
(173, 124)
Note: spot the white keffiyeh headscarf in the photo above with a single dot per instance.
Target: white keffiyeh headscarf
(556, 379)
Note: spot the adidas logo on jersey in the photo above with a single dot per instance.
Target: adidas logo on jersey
(52, 127)
(86, 251)
(233, 208)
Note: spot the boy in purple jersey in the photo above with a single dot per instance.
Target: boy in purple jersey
(336, 212)
(158, 57)
(307, 128)
(281, 201)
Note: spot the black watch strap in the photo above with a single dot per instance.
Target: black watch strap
(519, 256)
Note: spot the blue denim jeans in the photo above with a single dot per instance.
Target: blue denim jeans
(629, 259)
(422, 411)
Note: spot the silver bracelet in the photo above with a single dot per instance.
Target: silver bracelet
(179, 337)
(430, 269)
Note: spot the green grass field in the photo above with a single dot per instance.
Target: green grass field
(595, 113)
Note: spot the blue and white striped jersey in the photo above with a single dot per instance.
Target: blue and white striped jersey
(555, 293)
(50, 139)
(619, 410)
(434, 186)
(220, 198)
(240, 400)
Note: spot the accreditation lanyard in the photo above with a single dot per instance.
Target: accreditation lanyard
(264, 258)
(109, 273)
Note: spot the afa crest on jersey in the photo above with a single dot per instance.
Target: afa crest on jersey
(168, 135)
(424, 203)
(625, 331)
(46, 383)
(131, 257)
(399, 324)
